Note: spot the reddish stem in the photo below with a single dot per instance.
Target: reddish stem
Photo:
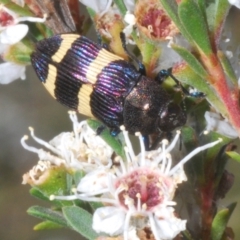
(229, 97)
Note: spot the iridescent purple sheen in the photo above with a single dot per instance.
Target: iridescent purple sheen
(114, 83)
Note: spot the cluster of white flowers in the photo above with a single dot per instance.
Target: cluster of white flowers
(12, 32)
(137, 193)
(78, 150)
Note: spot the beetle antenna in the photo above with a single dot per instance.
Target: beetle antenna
(141, 67)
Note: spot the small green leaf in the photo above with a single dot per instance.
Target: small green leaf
(77, 176)
(121, 6)
(47, 214)
(47, 225)
(189, 138)
(202, 6)
(170, 6)
(228, 69)
(80, 220)
(196, 27)
(186, 75)
(21, 11)
(221, 9)
(220, 222)
(38, 194)
(113, 142)
(191, 60)
(91, 13)
(39, 31)
(234, 155)
(213, 152)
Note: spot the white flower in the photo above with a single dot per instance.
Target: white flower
(236, 3)
(10, 71)
(11, 32)
(137, 194)
(79, 150)
(216, 123)
(130, 19)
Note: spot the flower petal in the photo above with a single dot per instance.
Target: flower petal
(13, 34)
(109, 220)
(3, 48)
(222, 126)
(10, 72)
(167, 225)
(93, 182)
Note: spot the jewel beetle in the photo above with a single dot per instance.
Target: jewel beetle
(86, 77)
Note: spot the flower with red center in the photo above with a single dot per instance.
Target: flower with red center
(137, 193)
(11, 32)
(152, 20)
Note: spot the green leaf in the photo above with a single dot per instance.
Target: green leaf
(220, 11)
(80, 220)
(220, 222)
(38, 31)
(234, 155)
(35, 192)
(189, 138)
(47, 225)
(213, 152)
(77, 176)
(202, 6)
(91, 13)
(186, 75)
(121, 6)
(193, 20)
(191, 60)
(47, 214)
(22, 11)
(170, 6)
(228, 69)
(113, 142)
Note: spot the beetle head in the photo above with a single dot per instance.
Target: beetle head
(171, 117)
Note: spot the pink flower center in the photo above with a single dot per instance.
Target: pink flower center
(144, 186)
(158, 21)
(5, 18)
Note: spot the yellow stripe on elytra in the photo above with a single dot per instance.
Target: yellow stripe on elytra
(51, 78)
(84, 100)
(103, 59)
(66, 44)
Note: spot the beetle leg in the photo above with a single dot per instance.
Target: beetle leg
(114, 131)
(165, 73)
(141, 67)
(100, 129)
